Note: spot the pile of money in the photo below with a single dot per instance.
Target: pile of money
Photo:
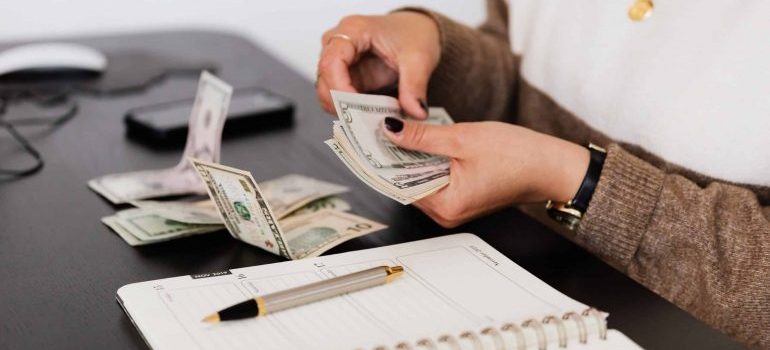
(249, 216)
(293, 216)
(359, 142)
(203, 142)
(295, 196)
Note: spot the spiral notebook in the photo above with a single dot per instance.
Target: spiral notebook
(457, 293)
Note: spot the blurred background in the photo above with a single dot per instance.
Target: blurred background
(290, 29)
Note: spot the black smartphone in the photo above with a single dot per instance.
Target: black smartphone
(251, 110)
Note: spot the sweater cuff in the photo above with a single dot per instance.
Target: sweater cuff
(458, 44)
(621, 207)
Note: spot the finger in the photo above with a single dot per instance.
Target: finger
(342, 46)
(414, 72)
(428, 206)
(425, 208)
(371, 73)
(333, 66)
(420, 206)
(324, 95)
(353, 27)
(435, 139)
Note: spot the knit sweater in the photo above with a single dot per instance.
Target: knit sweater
(692, 227)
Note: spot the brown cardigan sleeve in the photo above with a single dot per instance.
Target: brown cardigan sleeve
(707, 250)
(475, 63)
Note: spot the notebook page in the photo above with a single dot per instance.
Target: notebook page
(615, 341)
(451, 283)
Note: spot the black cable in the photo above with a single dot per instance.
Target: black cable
(54, 99)
(10, 126)
(27, 147)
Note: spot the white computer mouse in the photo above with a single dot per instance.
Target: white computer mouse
(51, 59)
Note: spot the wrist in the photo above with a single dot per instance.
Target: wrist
(427, 23)
(567, 164)
(420, 14)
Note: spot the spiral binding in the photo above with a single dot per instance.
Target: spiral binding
(496, 334)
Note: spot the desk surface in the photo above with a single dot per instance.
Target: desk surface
(60, 267)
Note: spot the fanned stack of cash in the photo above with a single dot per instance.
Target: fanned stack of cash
(359, 142)
(250, 214)
(311, 219)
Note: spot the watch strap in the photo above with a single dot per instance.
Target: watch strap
(588, 186)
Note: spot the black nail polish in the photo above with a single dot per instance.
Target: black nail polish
(423, 104)
(394, 124)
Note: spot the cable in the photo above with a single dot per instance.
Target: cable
(55, 99)
(27, 147)
(11, 125)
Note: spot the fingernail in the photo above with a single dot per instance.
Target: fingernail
(395, 125)
(423, 104)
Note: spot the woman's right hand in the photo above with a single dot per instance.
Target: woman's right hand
(369, 53)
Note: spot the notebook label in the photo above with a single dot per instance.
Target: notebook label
(211, 274)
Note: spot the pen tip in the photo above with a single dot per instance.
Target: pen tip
(213, 318)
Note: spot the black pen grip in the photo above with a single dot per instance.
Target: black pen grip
(246, 309)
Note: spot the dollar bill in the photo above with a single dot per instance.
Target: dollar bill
(249, 217)
(205, 211)
(313, 234)
(361, 115)
(201, 212)
(288, 193)
(333, 203)
(360, 143)
(117, 226)
(242, 207)
(308, 235)
(139, 227)
(372, 181)
(207, 119)
(159, 223)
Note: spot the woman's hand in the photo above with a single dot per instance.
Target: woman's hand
(369, 53)
(493, 165)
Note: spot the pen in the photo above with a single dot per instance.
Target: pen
(306, 294)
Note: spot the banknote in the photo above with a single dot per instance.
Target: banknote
(308, 235)
(207, 118)
(308, 231)
(288, 193)
(371, 180)
(361, 115)
(156, 221)
(313, 234)
(360, 143)
(333, 202)
(200, 212)
(249, 217)
(118, 226)
(205, 211)
(242, 207)
(139, 227)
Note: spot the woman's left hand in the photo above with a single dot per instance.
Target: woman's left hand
(493, 165)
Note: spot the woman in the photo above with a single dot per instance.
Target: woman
(679, 202)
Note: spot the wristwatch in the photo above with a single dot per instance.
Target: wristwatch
(569, 214)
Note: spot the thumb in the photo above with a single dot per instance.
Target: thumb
(417, 136)
(413, 75)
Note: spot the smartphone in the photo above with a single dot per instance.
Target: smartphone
(251, 110)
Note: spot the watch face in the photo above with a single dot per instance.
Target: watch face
(569, 220)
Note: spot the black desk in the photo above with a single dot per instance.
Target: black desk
(60, 267)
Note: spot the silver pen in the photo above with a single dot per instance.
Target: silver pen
(316, 291)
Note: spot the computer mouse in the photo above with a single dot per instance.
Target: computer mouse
(51, 61)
